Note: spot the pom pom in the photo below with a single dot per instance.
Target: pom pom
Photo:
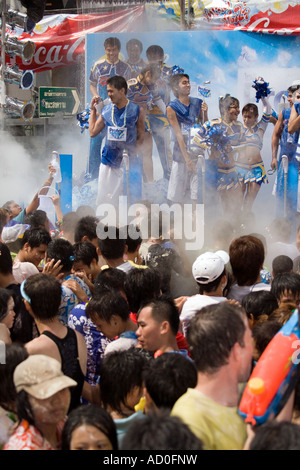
(83, 119)
(262, 88)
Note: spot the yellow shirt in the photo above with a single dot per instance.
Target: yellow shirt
(219, 427)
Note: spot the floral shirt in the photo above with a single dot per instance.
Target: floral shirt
(27, 437)
(95, 341)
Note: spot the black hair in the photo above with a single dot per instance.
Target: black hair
(276, 435)
(111, 241)
(112, 42)
(36, 218)
(250, 108)
(159, 431)
(164, 309)
(168, 377)
(15, 353)
(155, 51)
(62, 250)
(120, 371)
(5, 295)
(141, 285)
(109, 279)
(175, 80)
(135, 42)
(263, 333)
(86, 227)
(134, 238)
(118, 82)
(91, 415)
(35, 237)
(211, 286)
(282, 264)
(259, 303)
(286, 282)
(85, 252)
(44, 292)
(6, 262)
(213, 332)
(106, 305)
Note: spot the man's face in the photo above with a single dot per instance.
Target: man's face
(246, 354)
(290, 98)
(108, 329)
(114, 94)
(184, 86)
(134, 53)
(15, 209)
(112, 54)
(148, 331)
(36, 255)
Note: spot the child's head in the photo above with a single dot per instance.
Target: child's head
(166, 378)
(122, 372)
(89, 427)
(109, 312)
(286, 288)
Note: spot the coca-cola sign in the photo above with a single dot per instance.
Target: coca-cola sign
(60, 39)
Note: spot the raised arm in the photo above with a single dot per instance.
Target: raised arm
(277, 132)
(294, 121)
(176, 128)
(96, 124)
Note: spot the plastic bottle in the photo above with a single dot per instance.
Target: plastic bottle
(56, 165)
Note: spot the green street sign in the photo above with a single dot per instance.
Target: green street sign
(54, 100)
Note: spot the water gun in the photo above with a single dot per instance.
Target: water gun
(274, 376)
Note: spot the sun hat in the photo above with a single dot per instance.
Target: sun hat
(209, 266)
(41, 376)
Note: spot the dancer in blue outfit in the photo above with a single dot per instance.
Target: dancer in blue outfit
(124, 123)
(220, 137)
(100, 72)
(286, 136)
(143, 91)
(183, 113)
(249, 163)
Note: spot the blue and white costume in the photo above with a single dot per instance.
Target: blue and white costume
(181, 181)
(288, 147)
(253, 173)
(158, 122)
(100, 72)
(120, 136)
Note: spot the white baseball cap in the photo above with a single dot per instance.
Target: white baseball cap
(209, 266)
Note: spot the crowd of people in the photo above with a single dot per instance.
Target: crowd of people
(120, 339)
(113, 342)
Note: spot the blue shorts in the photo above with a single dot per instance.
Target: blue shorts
(227, 179)
(255, 173)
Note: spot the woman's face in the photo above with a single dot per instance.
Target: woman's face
(52, 410)
(8, 320)
(88, 437)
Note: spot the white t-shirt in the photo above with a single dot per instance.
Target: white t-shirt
(238, 292)
(192, 305)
